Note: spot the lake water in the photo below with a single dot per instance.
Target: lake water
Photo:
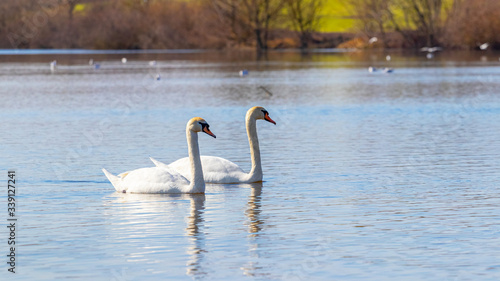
(368, 176)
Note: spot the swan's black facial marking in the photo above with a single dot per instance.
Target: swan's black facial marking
(205, 128)
(204, 125)
(267, 118)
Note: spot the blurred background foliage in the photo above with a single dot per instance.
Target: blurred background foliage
(260, 24)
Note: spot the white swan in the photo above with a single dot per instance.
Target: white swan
(220, 170)
(161, 180)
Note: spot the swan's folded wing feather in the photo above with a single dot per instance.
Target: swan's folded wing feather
(210, 164)
(214, 164)
(182, 166)
(155, 180)
(215, 169)
(123, 175)
(158, 163)
(220, 170)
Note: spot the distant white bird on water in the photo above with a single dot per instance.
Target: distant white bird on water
(243, 72)
(387, 70)
(124, 60)
(53, 65)
(152, 63)
(157, 77)
(372, 69)
(373, 40)
(430, 49)
(484, 46)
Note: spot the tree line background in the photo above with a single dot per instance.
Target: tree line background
(260, 24)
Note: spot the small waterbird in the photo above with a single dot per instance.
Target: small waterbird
(484, 46)
(387, 70)
(430, 49)
(53, 65)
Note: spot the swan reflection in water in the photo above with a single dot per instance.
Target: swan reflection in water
(254, 209)
(194, 230)
(158, 211)
(255, 225)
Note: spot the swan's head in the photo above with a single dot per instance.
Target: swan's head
(259, 112)
(198, 124)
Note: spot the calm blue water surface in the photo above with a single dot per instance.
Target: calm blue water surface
(368, 176)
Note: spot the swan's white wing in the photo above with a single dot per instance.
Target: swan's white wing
(216, 164)
(220, 170)
(160, 164)
(215, 169)
(122, 175)
(181, 166)
(154, 180)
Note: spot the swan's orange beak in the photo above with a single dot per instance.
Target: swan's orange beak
(268, 119)
(208, 132)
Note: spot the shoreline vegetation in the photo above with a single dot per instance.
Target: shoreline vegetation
(248, 24)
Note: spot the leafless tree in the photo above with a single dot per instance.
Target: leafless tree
(261, 16)
(472, 22)
(230, 14)
(375, 16)
(256, 16)
(403, 16)
(425, 15)
(304, 15)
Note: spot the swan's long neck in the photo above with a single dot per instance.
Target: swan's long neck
(253, 140)
(197, 183)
